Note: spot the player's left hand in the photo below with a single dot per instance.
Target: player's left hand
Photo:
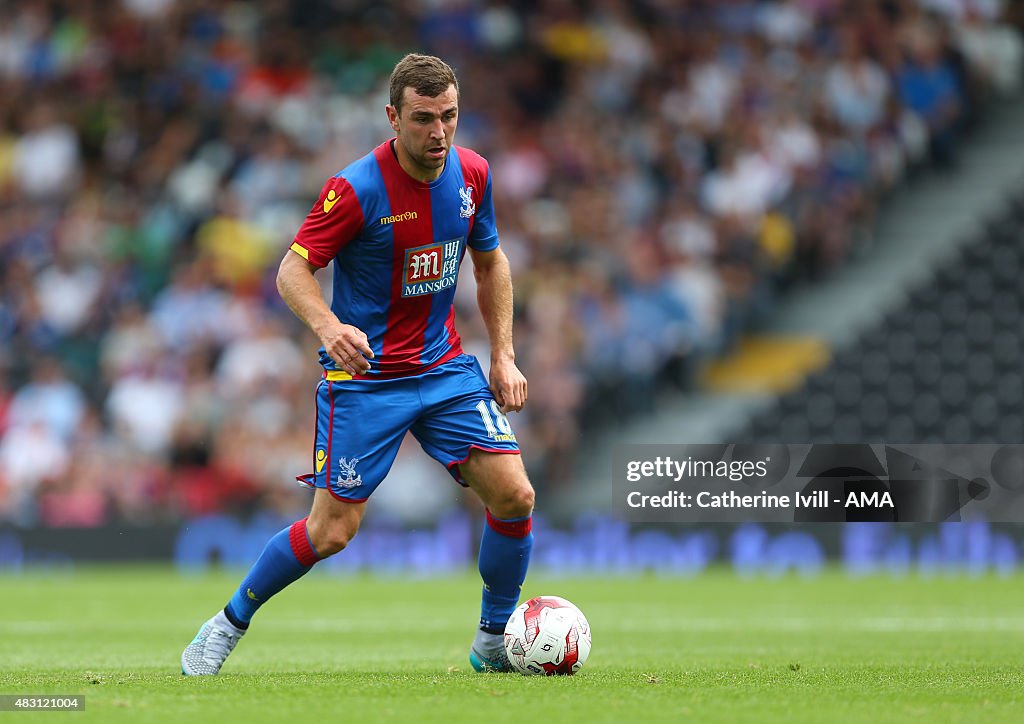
(508, 385)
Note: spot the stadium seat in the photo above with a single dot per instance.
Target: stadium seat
(946, 365)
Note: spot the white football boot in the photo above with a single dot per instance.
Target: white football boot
(210, 648)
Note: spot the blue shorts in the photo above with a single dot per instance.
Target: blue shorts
(360, 425)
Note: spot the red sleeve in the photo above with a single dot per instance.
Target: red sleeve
(335, 219)
(483, 234)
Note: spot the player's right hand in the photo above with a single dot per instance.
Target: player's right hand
(349, 348)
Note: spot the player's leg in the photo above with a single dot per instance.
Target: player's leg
(290, 554)
(505, 545)
(463, 429)
(333, 523)
(354, 450)
(286, 558)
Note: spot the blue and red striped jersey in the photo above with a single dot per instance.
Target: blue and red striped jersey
(397, 244)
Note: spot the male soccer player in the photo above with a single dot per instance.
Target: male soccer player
(396, 224)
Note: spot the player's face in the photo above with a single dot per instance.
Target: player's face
(425, 128)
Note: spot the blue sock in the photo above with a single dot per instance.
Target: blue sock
(504, 557)
(286, 558)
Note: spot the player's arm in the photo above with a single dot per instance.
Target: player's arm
(494, 297)
(347, 345)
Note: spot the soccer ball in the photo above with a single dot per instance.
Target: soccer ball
(547, 635)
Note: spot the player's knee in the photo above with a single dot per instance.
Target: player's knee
(523, 500)
(331, 539)
(333, 542)
(516, 502)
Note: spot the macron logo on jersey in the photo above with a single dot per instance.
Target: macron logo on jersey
(430, 269)
(395, 218)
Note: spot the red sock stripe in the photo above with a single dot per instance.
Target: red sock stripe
(303, 551)
(510, 528)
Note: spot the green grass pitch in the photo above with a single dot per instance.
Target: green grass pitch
(711, 648)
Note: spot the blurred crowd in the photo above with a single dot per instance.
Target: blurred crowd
(662, 170)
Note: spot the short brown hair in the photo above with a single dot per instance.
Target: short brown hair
(425, 74)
